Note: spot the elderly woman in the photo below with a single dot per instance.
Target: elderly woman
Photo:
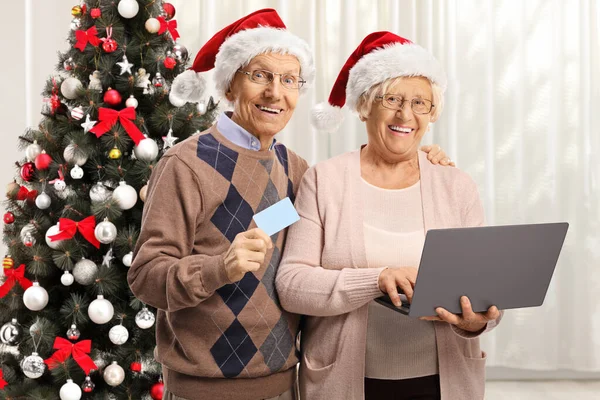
(364, 216)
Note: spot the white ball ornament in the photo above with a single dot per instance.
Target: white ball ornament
(125, 196)
(132, 102)
(85, 271)
(33, 366)
(43, 201)
(33, 150)
(118, 334)
(128, 259)
(144, 319)
(128, 8)
(152, 25)
(60, 185)
(53, 230)
(35, 297)
(146, 150)
(70, 88)
(114, 374)
(67, 279)
(106, 231)
(101, 310)
(99, 193)
(70, 391)
(76, 172)
(74, 155)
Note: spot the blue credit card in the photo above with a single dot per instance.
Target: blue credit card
(277, 217)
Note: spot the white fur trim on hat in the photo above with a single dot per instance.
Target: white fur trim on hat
(392, 61)
(237, 51)
(326, 118)
(187, 87)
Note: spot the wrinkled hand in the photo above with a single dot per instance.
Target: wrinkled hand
(391, 278)
(246, 253)
(436, 155)
(469, 321)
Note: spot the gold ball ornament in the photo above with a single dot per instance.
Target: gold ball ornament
(8, 262)
(76, 11)
(114, 154)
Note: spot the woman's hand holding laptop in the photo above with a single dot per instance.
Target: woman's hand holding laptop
(469, 321)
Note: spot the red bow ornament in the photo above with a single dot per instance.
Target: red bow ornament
(108, 118)
(85, 37)
(26, 194)
(171, 26)
(13, 276)
(79, 351)
(68, 229)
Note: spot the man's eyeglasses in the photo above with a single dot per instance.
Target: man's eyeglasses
(264, 77)
(395, 102)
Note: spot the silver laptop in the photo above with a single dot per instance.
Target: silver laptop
(506, 266)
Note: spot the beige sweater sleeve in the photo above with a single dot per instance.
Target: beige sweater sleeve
(303, 285)
(165, 273)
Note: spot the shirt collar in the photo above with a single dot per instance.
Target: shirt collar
(238, 135)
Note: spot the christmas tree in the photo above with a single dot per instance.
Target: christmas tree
(70, 327)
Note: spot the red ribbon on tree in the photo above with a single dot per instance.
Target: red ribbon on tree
(26, 194)
(168, 25)
(68, 229)
(79, 351)
(3, 383)
(108, 118)
(85, 37)
(14, 275)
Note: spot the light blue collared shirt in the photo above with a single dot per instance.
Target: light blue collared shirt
(238, 135)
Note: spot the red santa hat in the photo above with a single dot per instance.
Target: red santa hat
(380, 56)
(234, 46)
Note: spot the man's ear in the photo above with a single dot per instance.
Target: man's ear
(229, 95)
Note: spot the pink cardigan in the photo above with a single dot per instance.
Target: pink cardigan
(323, 275)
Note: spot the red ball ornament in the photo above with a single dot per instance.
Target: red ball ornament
(112, 97)
(169, 10)
(9, 218)
(157, 390)
(170, 62)
(136, 366)
(95, 13)
(27, 171)
(109, 45)
(43, 161)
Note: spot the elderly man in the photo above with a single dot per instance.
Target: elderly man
(200, 260)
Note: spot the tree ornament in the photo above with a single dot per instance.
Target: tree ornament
(76, 172)
(74, 155)
(125, 64)
(27, 171)
(43, 161)
(60, 185)
(112, 97)
(169, 11)
(88, 125)
(128, 259)
(109, 44)
(88, 386)
(146, 150)
(114, 374)
(95, 81)
(12, 189)
(70, 391)
(33, 150)
(142, 80)
(118, 334)
(75, 24)
(125, 196)
(85, 271)
(68, 64)
(67, 278)
(35, 297)
(70, 88)
(169, 140)
(99, 193)
(43, 201)
(152, 25)
(131, 102)
(158, 80)
(157, 390)
(136, 366)
(33, 366)
(95, 13)
(114, 153)
(27, 233)
(144, 192)
(106, 231)
(53, 230)
(29, 240)
(73, 333)
(181, 53)
(201, 107)
(101, 310)
(9, 218)
(77, 113)
(144, 319)
(11, 333)
(77, 11)
(128, 8)
(107, 258)
(169, 62)
(8, 262)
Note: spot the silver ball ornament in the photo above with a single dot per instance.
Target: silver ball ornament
(33, 150)
(180, 53)
(128, 259)
(43, 201)
(125, 196)
(146, 150)
(27, 231)
(35, 297)
(128, 8)
(99, 193)
(74, 155)
(118, 334)
(76, 172)
(67, 279)
(106, 231)
(144, 319)
(33, 366)
(70, 391)
(53, 230)
(73, 333)
(114, 374)
(11, 333)
(85, 271)
(70, 88)
(101, 310)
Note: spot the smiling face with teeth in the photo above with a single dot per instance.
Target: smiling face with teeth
(264, 110)
(396, 134)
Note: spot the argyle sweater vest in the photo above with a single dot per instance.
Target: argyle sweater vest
(202, 194)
